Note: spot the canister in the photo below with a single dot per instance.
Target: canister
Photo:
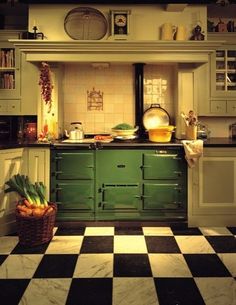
(232, 131)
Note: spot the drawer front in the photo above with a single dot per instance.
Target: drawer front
(218, 107)
(75, 195)
(158, 166)
(74, 166)
(231, 107)
(118, 197)
(115, 166)
(162, 196)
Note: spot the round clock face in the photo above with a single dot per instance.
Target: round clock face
(120, 20)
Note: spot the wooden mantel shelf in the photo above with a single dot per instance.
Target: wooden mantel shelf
(117, 51)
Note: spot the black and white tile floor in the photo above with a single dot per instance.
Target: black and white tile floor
(119, 265)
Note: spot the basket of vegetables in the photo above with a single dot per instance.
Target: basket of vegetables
(35, 217)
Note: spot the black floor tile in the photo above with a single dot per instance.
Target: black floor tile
(56, 266)
(222, 244)
(132, 265)
(19, 249)
(128, 231)
(97, 244)
(162, 244)
(178, 291)
(185, 231)
(232, 230)
(90, 291)
(2, 258)
(11, 290)
(206, 265)
(66, 231)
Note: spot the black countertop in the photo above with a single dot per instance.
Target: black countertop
(137, 143)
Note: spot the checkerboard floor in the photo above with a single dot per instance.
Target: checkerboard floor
(122, 265)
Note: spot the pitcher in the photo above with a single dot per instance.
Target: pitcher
(167, 31)
(181, 33)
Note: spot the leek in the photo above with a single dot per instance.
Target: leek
(34, 193)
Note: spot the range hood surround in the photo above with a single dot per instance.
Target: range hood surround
(117, 51)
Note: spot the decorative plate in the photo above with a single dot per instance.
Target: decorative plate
(85, 23)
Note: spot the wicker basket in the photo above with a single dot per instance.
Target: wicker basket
(33, 231)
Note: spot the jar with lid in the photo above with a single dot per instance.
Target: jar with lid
(232, 131)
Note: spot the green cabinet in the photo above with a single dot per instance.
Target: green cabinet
(119, 184)
(72, 183)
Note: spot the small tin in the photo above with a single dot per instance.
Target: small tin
(232, 131)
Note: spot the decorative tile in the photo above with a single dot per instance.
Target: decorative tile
(175, 291)
(65, 245)
(206, 265)
(220, 291)
(128, 231)
(134, 291)
(7, 244)
(135, 265)
(194, 244)
(161, 244)
(129, 244)
(11, 291)
(229, 260)
(46, 292)
(90, 291)
(157, 231)
(214, 231)
(20, 266)
(56, 266)
(94, 266)
(99, 231)
(97, 244)
(223, 244)
(169, 265)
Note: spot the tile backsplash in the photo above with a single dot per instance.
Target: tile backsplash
(112, 87)
(114, 82)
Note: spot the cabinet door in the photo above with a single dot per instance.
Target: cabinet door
(11, 162)
(166, 196)
(120, 197)
(161, 166)
(115, 166)
(74, 165)
(39, 166)
(77, 195)
(212, 197)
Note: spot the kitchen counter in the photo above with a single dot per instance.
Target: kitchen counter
(137, 143)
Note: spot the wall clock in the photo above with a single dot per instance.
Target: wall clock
(120, 24)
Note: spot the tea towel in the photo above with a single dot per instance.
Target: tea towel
(193, 151)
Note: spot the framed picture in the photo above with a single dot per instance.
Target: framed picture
(120, 22)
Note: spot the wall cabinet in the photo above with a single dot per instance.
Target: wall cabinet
(113, 184)
(212, 192)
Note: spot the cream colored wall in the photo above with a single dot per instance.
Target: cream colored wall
(145, 21)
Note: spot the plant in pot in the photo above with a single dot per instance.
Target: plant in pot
(35, 217)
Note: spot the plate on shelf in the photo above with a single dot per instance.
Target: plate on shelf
(131, 137)
(85, 23)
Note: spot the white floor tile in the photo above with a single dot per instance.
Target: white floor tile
(129, 244)
(94, 266)
(229, 260)
(217, 291)
(169, 265)
(46, 292)
(99, 231)
(214, 231)
(194, 244)
(157, 231)
(65, 245)
(8, 243)
(20, 266)
(134, 291)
